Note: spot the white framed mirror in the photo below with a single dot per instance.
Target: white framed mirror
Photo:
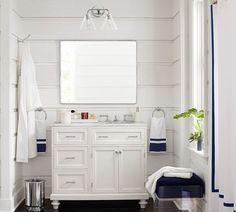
(98, 72)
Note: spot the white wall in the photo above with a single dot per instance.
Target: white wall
(152, 23)
(200, 162)
(11, 172)
(16, 33)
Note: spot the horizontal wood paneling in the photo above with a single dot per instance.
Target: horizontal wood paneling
(155, 74)
(176, 25)
(147, 96)
(45, 52)
(129, 29)
(75, 8)
(176, 49)
(155, 51)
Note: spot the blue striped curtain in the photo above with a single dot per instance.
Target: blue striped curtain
(223, 22)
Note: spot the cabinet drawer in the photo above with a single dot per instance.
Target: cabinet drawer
(70, 136)
(70, 182)
(70, 157)
(118, 136)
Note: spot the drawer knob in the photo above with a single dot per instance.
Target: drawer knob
(70, 158)
(70, 182)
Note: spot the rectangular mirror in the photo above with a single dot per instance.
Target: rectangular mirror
(98, 72)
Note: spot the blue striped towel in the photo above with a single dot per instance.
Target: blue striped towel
(157, 135)
(41, 135)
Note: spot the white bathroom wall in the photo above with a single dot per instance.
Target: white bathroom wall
(15, 34)
(182, 93)
(177, 78)
(153, 23)
(0, 104)
(200, 161)
(11, 172)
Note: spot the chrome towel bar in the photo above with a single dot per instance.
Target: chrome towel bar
(158, 109)
(42, 110)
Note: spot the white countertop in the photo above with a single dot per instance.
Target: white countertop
(100, 124)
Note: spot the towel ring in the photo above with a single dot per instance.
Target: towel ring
(158, 109)
(42, 110)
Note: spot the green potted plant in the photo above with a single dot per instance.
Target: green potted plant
(197, 134)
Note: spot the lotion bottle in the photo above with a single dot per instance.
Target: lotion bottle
(137, 118)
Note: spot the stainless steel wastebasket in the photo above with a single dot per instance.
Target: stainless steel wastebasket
(34, 194)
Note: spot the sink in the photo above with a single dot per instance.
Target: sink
(116, 122)
(127, 122)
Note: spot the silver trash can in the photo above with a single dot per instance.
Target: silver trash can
(34, 194)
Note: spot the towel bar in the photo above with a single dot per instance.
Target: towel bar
(42, 110)
(158, 109)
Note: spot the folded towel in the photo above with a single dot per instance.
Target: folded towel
(152, 180)
(179, 175)
(41, 135)
(157, 135)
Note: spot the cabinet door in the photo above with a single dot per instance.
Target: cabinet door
(105, 170)
(131, 169)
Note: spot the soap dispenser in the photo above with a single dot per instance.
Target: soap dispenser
(137, 115)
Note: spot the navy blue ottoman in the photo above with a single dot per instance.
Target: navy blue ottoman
(173, 187)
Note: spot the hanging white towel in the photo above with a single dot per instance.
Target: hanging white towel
(41, 135)
(157, 135)
(152, 180)
(28, 101)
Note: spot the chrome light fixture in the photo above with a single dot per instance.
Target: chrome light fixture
(96, 12)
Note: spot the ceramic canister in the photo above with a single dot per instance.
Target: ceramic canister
(65, 116)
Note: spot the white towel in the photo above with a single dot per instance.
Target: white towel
(152, 180)
(28, 101)
(41, 135)
(157, 135)
(186, 175)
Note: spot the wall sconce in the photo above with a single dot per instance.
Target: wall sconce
(88, 24)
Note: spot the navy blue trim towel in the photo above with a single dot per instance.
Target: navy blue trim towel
(41, 135)
(157, 135)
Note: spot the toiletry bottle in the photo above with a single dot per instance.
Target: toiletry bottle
(65, 117)
(137, 115)
(73, 114)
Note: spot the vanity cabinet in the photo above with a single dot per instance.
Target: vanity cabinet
(94, 162)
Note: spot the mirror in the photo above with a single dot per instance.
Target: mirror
(98, 72)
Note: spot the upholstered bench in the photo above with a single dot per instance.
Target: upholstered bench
(173, 188)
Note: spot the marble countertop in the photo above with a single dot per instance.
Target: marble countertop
(101, 124)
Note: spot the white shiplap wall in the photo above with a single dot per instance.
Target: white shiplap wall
(0, 102)
(11, 172)
(153, 23)
(16, 33)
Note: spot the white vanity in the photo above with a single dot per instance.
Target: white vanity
(99, 162)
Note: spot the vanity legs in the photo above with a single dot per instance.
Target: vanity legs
(143, 203)
(55, 204)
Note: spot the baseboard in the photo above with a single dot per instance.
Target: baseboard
(18, 196)
(5, 205)
(9, 205)
(48, 191)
